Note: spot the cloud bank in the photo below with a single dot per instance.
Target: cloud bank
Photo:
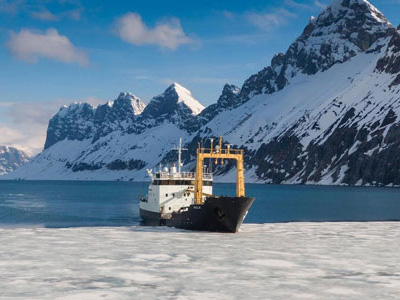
(267, 21)
(29, 45)
(44, 15)
(24, 124)
(167, 34)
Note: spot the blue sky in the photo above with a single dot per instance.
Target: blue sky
(56, 52)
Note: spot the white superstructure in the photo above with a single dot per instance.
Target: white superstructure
(172, 190)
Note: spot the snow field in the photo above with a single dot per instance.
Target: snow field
(272, 261)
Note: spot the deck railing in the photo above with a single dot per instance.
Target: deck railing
(221, 151)
(182, 175)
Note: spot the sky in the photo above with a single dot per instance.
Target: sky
(55, 52)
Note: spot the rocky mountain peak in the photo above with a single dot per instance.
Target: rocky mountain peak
(228, 99)
(340, 32)
(74, 108)
(129, 102)
(74, 122)
(175, 99)
(230, 88)
(11, 158)
(345, 28)
(229, 96)
(337, 5)
(186, 98)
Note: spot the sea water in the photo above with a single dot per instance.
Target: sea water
(83, 240)
(76, 204)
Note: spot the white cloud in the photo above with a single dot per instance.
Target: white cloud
(24, 124)
(320, 4)
(167, 34)
(44, 15)
(31, 45)
(267, 21)
(74, 14)
(37, 9)
(6, 104)
(294, 4)
(23, 140)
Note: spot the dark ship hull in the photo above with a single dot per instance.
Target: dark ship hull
(217, 214)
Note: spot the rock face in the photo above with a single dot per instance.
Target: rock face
(227, 100)
(390, 62)
(81, 121)
(74, 122)
(175, 105)
(117, 138)
(327, 111)
(344, 29)
(11, 158)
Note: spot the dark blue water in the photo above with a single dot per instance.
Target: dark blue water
(70, 204)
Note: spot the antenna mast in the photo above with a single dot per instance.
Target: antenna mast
(180, 149)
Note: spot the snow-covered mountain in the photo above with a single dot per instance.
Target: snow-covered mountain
(11, 158)
(324, 112)
(112, 141)
(81, 121)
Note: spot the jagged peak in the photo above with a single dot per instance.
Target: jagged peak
(137, 104)
(338, 6)
(74, 107)
(228, 96)
(127, 95)
(347, 3)
(340, 32)
(230, 88)
(185, 97)
(177, 94)
(346, 27)
(341, 11)
(4, 149)
(8, 148)
(178, 87)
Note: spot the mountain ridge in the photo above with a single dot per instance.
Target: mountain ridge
(11, 158)
(324, 112)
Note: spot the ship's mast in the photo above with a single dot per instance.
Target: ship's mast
(180, 149)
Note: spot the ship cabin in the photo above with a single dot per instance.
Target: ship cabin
(172, 190)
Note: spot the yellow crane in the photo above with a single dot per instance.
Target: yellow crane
(218, 154)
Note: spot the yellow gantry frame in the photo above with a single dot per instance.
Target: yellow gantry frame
(218, 153)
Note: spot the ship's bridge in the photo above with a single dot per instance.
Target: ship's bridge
(172, 190)
(173, 177)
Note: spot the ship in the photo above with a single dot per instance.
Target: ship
(185, 200)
